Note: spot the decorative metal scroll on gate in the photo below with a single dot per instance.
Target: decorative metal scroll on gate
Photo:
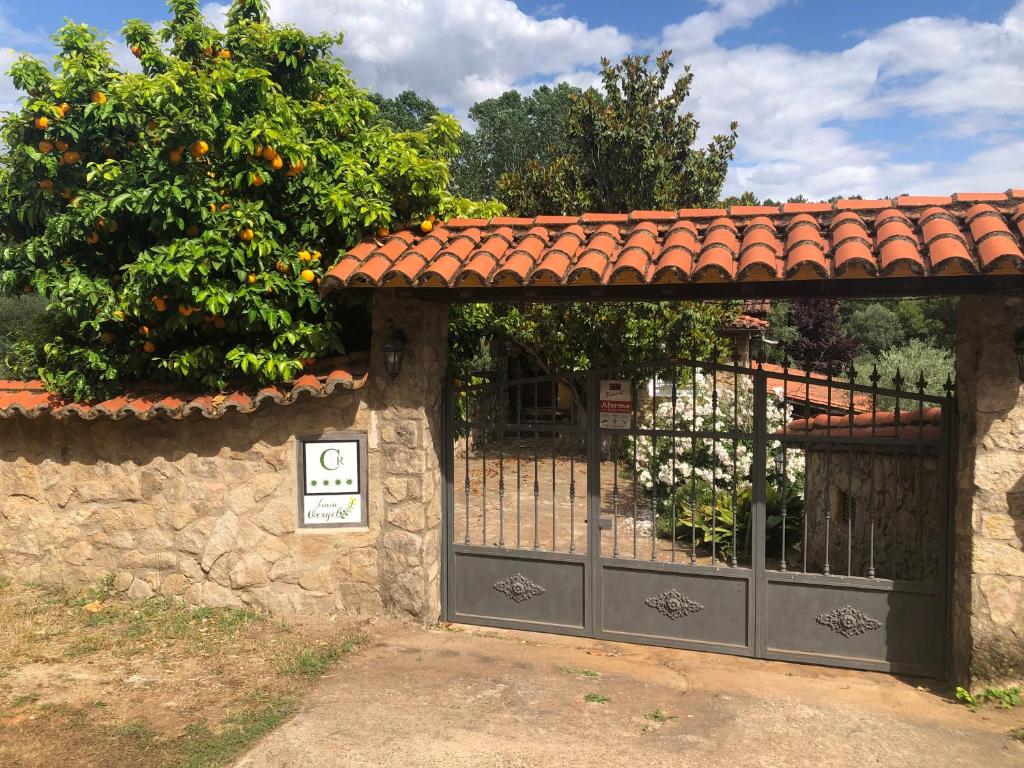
(673, 605)
(519, 588)
(848, 621)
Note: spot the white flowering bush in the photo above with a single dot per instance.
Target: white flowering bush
(694, 481)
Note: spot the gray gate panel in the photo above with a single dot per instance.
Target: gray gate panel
(852, 623)
(684, 606)
(544, 592)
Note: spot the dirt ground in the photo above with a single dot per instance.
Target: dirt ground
(464, 696)
(89, 680)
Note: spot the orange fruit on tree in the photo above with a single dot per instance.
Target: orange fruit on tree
(225, 54)
(199, 148)
(296, 168)
(225, 206)
(315, 255)
(112, 226)
(308, 275)
(246, 235)
(277, 163)
(70, 157)
(251, 279)
(257, 180)
(98, 97)
(208, 50)
(64, 108)
(143, 330)
(61, 145)
(92, 238)
(45, 147)
(218, 322)
(118, 315)
(383, 232)
(432, 218)
(42, 122)
(151, 126)
(426, 226)
(304, 255)
(160, 303)
(67, 194)
(184, 310)
(213, 207)
(282, 268)
(46, 184)
(175, 155)
(149, 347)
(268, 153)
(136, 51)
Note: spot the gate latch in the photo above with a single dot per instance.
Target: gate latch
(605, 524)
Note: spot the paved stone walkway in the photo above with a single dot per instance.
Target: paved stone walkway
(478, 697)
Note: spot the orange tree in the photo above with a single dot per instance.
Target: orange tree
(177, 220)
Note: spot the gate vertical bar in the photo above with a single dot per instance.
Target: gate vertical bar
(758, 510)
(948, 459)
(447, 497)
(592, 587)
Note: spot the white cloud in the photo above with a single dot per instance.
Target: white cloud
(799, 110)
(955, 83)
(454, 52)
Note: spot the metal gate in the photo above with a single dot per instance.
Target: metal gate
(755, 510)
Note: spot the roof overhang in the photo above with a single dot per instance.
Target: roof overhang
(908, 246)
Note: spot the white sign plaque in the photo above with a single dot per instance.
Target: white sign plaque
(616, 400)
(332, 481)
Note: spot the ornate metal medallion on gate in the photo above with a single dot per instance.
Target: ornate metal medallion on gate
(519, 588)
(673, 604)
(848, 621)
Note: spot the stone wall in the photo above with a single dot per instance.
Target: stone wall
(897, 503)
(206, 510)
(988, 609)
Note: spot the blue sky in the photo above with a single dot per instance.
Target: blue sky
(868, 97)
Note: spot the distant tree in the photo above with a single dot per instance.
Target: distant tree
(913, 360)
(875, 326)
(747, 198)
(21, 332)
(511, 131)
(629, 146)
(622, 148)
(820, 344)
(405, 112)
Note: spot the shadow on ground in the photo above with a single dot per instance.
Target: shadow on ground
(477, 697)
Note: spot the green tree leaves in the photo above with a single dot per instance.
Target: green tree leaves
(628, 146)
(177, 221)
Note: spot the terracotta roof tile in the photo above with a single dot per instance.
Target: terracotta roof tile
(967, 233)
(815, 390)
(921, 423)
(30, 398)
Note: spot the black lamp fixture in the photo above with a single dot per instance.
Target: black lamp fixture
(779, 456)
(394, 351)
(1018, 350)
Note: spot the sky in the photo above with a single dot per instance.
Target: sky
(874, 97)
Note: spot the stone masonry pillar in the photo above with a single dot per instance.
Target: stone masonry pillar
(406, 425)
(988, 589)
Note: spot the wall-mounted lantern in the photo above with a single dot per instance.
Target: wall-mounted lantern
(394, 351)
(779, 457)
(1018, 350)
